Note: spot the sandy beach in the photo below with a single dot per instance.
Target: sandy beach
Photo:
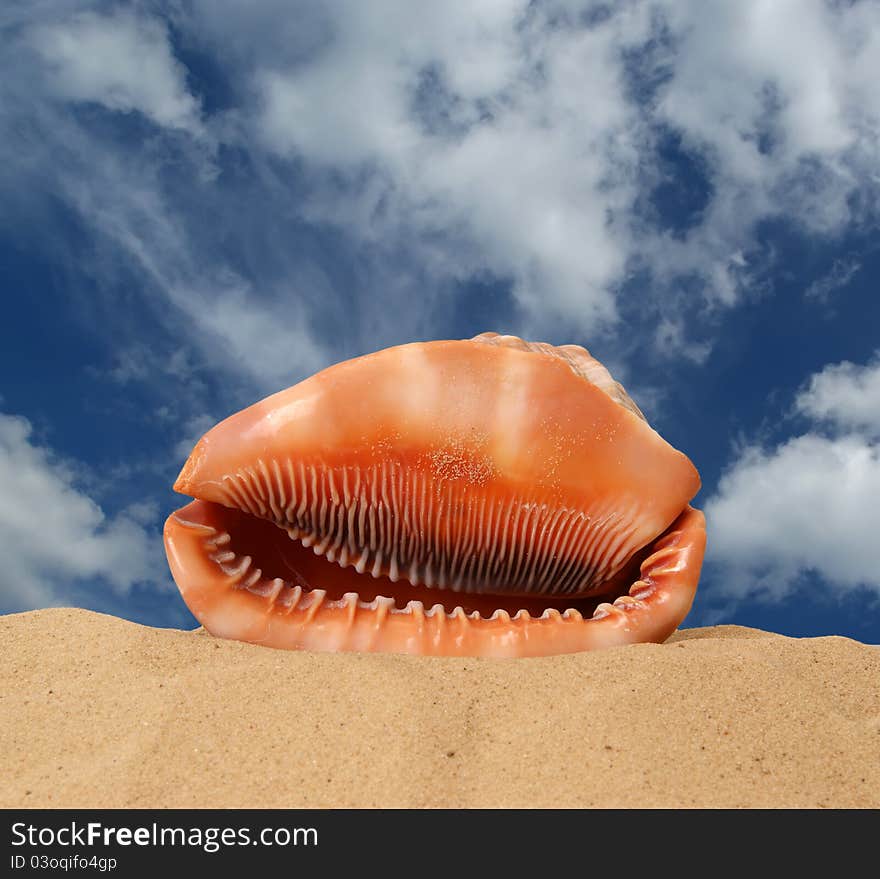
(100, 712)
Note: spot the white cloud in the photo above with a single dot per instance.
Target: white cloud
(122, 61)
(846, 395)
(670, 339)
(263, 339)
(271, 342)
(444, 143)
(155, 207)
(485, 125)
(53, 537)
(512, 133)
(809, 504)
(779, 98)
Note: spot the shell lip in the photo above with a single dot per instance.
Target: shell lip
(259, 553)
(244, 492)
(229, 596)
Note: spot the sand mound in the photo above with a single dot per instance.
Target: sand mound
(99, 712)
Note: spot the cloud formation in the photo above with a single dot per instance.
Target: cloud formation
(527, 134)
(122, 61)
(54, 538)
(846, 396)
(808, 504)
(258, 190)
(778, 99)
(514, 142)
(490, 126)
(144, 191)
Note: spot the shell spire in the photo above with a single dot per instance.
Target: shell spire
(580, 360)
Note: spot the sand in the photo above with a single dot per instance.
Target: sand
(99, 712)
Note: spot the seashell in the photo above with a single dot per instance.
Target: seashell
(512, 488)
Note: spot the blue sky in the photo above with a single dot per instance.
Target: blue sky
(204, 202)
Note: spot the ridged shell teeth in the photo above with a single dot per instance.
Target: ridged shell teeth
(382, 605)
(207, 531)
(416, 608)
(393, 572)
(296, 595)
(351, 603)
(361, 564)
(277, 586)
(219, 539)
(281, 592)
(551, 613)
(641, 590)
(317, 597)
(251, 579)
(292, 599)
(661, 555)
(603, 610)
(237, 572)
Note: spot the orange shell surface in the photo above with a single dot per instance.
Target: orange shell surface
(491, 473)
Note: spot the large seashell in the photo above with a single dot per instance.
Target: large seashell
(481, 497)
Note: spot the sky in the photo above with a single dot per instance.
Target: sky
(205, 201)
